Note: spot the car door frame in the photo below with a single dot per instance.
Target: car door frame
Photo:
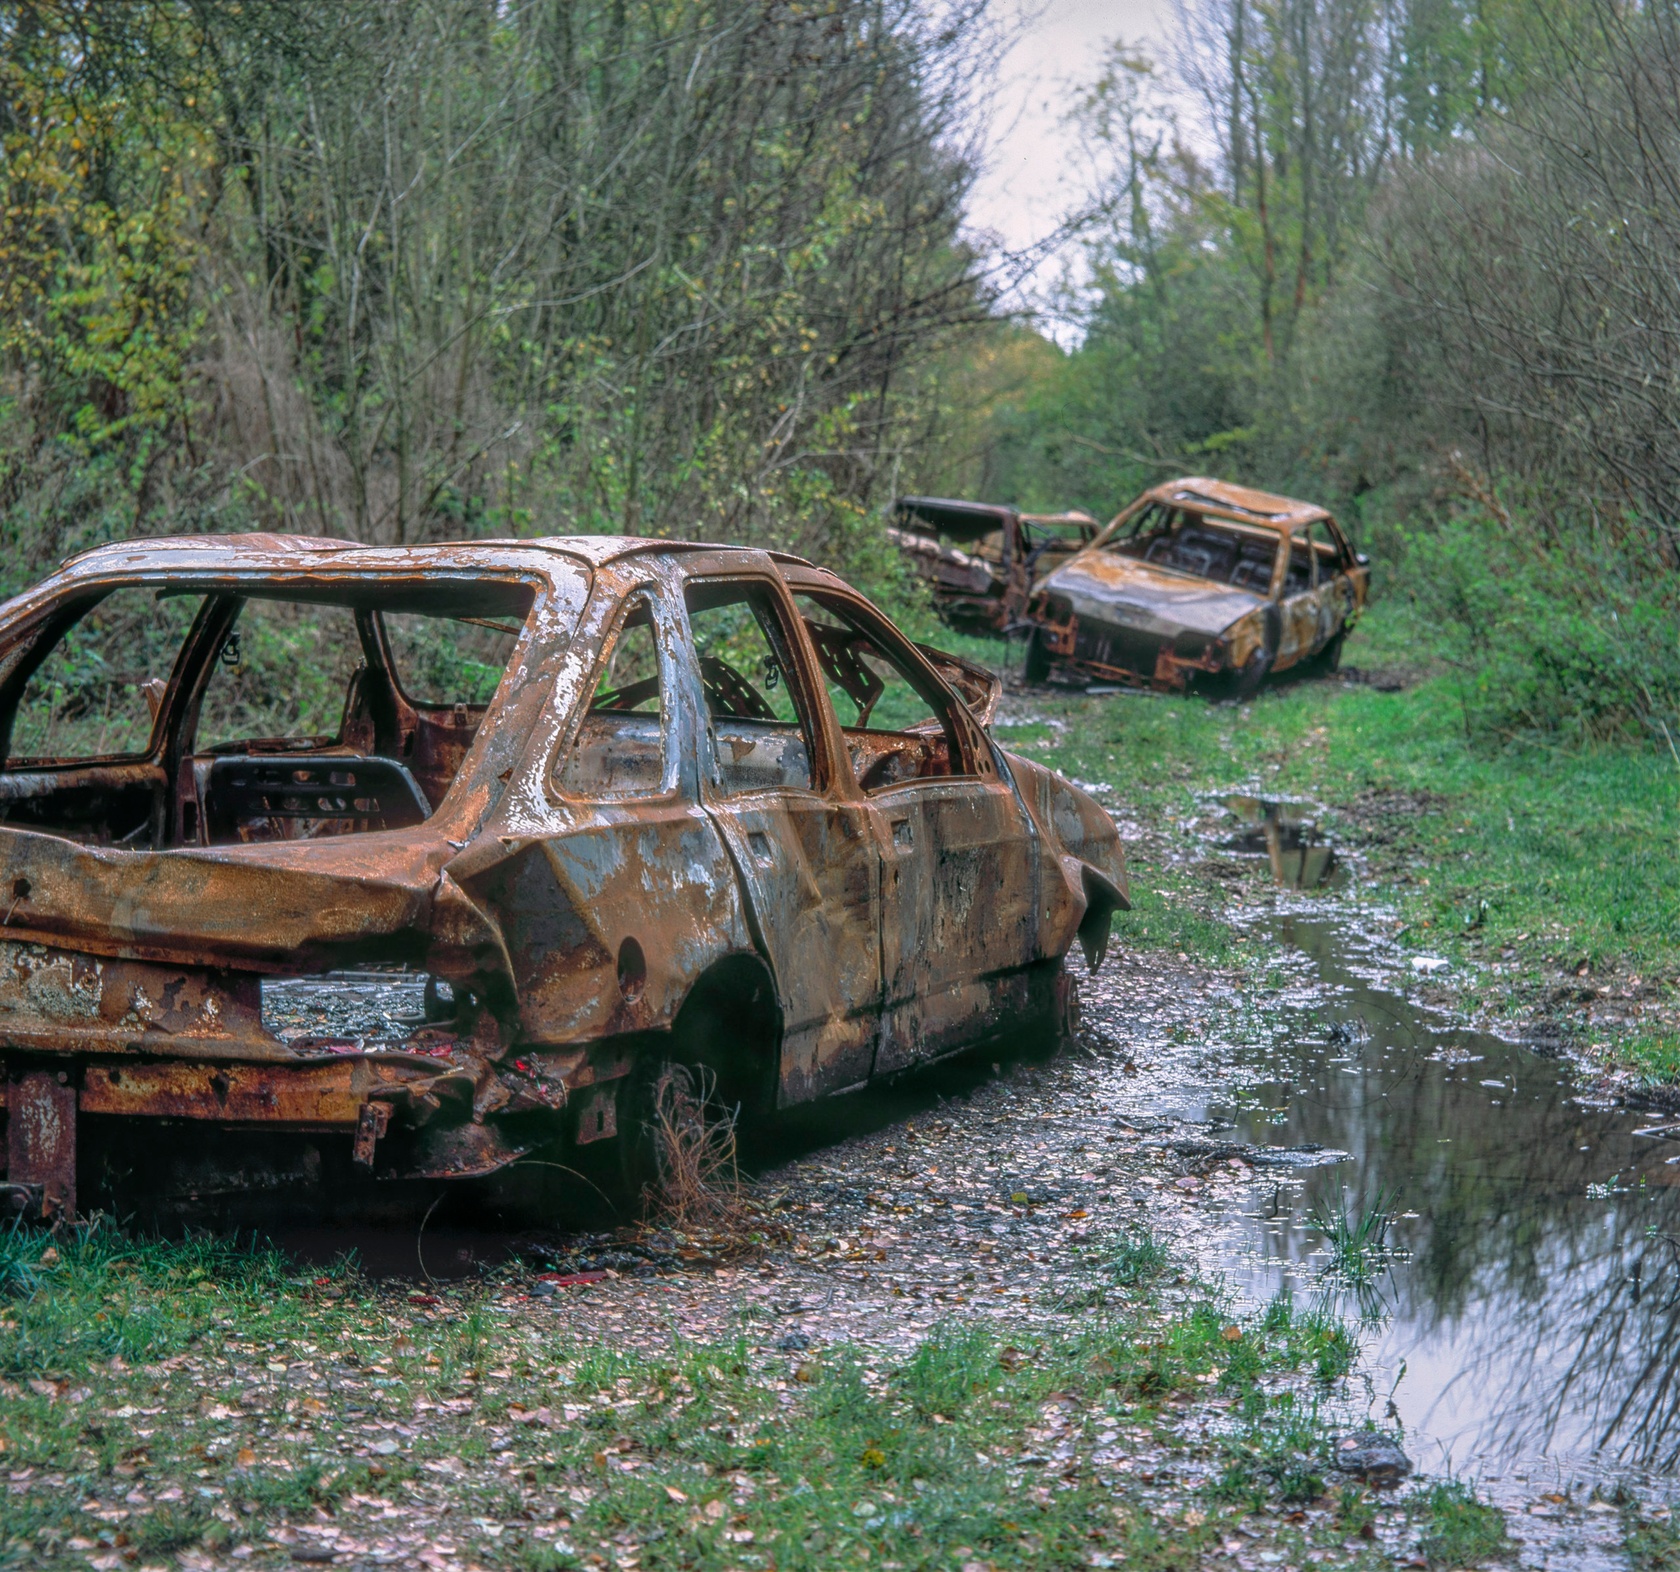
(938, 996)
(808, 867)
(1299, 617)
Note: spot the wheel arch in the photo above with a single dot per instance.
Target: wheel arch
(730, 1023)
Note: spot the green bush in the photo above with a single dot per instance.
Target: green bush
(1561, 629)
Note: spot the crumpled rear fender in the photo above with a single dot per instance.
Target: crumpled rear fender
(1085, 863)
(596, 932)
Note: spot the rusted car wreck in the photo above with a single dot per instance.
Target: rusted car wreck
(981, 559)
(331, 867)
(1199, 581)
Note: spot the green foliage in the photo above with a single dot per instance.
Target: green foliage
(1459, 1530)
(915, 1456)
(1556, 628)
(1655, 1055)
(20, 1249)
(685, 275)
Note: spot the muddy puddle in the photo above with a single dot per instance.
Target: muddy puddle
(1521, 1316)
(1287, 836)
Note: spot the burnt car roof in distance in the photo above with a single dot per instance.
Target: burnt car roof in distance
(1242, 504)
(961, 519)
(955, 517)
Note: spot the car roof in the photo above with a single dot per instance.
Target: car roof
(1240, 504)
(260, 549)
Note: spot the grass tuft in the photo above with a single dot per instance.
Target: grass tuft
(1357, 1236)
(1651, 1545)
(1459, 1530)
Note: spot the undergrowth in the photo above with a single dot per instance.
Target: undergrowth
(262, 1397)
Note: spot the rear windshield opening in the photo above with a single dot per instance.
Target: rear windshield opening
(158, 714)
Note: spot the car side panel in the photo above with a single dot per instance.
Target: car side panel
(609, 925)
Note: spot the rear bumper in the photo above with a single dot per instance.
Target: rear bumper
(88, 1044)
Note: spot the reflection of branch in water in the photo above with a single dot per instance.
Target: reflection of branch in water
(1548, 1323)
(1619, 1392)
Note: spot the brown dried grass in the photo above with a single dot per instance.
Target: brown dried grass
(698, 1177)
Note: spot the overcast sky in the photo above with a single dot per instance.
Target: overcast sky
(1026, 190)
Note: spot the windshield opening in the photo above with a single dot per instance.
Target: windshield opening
(1198, 545)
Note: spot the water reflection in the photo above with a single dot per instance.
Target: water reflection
(1301, 859)
(1534, 1303)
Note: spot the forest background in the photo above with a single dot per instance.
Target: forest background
(417, 269)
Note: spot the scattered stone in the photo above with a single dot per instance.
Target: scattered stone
(1371, 1456)
(794, 1343)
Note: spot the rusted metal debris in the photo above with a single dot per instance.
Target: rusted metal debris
(588, 806)
(981, 560)
(1199, 581)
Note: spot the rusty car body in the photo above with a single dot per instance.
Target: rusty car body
(980, 560)
(332, 866)
(1200, 581)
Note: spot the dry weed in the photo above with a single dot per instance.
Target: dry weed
(695, 1150)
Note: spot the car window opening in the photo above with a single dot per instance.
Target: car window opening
(619, 751)
(896, 723)
(1183, 541)
(147, 716)
(757, 710)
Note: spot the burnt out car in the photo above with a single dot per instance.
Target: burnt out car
(1199, 581)
(330, 869)
(981, 559)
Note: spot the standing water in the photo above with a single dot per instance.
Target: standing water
(1522, 1315)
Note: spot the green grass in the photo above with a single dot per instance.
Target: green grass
(1530, 869)
(254, 1391)
(1651, 1545)
(1356, 1235)
(1459, 1530)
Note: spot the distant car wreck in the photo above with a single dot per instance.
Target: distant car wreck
(1198, 581)
(330, 868)
(981, 559)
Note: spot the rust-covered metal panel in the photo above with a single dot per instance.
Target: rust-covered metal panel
(41, 1139)
(1200, 581)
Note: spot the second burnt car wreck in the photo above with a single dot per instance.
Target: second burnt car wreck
(1200, 582)
(534, 819)
(980, 560)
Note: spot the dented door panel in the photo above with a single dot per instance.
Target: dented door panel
(811, 873)
(959, 913)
